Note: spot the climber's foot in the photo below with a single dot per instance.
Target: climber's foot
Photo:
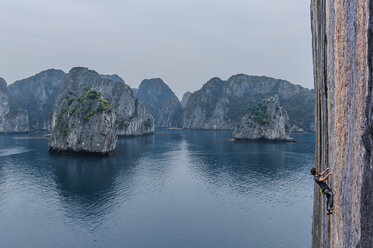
(330, 211)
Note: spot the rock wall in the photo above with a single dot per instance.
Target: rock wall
(185, 99)
(37, 94)
(342, 52)
(220, 105)
(83, 121)
(113, 77)
(161, 102)
(131, 117)
(12, 119)
(265, 121)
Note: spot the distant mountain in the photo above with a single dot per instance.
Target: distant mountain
(220, 105)
(12, 119)
(161, 102)
(185, 99)
(36, 94)
(113, 77)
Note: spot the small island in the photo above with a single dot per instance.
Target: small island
(83, 122)
(267, 121)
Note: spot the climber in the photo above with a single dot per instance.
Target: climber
(324, 187)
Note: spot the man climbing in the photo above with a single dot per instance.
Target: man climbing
(324, 187)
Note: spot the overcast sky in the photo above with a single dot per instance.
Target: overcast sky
(184, 42)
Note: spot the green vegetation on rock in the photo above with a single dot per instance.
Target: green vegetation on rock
(259, 113)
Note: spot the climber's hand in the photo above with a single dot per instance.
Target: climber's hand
(322, 173)
(326, 177)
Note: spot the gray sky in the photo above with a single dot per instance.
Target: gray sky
(185, 42)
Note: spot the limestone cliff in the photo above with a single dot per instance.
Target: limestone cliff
(36, 94)
(12, 119)
(185, 99)
(113, 77)
(343, 62)
(221, 104)
(83, 121)
(134, 91)
(131, 117)
(264, 121)
(161, 102)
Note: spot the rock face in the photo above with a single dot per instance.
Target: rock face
(265, 121)
(134, 91)
(132, 119)
(12, 120)
(185, 99)
(161, 102)
(343, 54)
(36, 94)
(220, 105)
(296, 129)
(83, 121)
(114, 78)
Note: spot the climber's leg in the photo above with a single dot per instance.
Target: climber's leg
(329, 196)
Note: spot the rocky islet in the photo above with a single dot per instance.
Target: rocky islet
(91, 111)
(83, 122)
(218, 105)
(266, 121)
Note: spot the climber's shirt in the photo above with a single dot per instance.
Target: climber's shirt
(321, 184)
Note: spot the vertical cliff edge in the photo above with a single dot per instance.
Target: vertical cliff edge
(342, 53)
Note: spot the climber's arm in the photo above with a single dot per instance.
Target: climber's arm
(326, 177)
(322, 173)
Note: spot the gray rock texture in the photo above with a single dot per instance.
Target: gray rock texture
(185, 99)
(161, 102)
(343, 54)
(36, 94)
(132, 119)
(83, 121)
(113, 77)
(220, 105)
(12, 119)
(134, 91)
(265, 121)
(296, 129)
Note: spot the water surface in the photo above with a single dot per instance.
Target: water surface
(173, 189)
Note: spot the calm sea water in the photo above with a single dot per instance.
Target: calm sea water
(172, 189)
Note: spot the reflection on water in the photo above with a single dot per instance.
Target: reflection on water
(86, 184)
(248, 165)
(172, 189)
(12, 151)
(85, 187)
